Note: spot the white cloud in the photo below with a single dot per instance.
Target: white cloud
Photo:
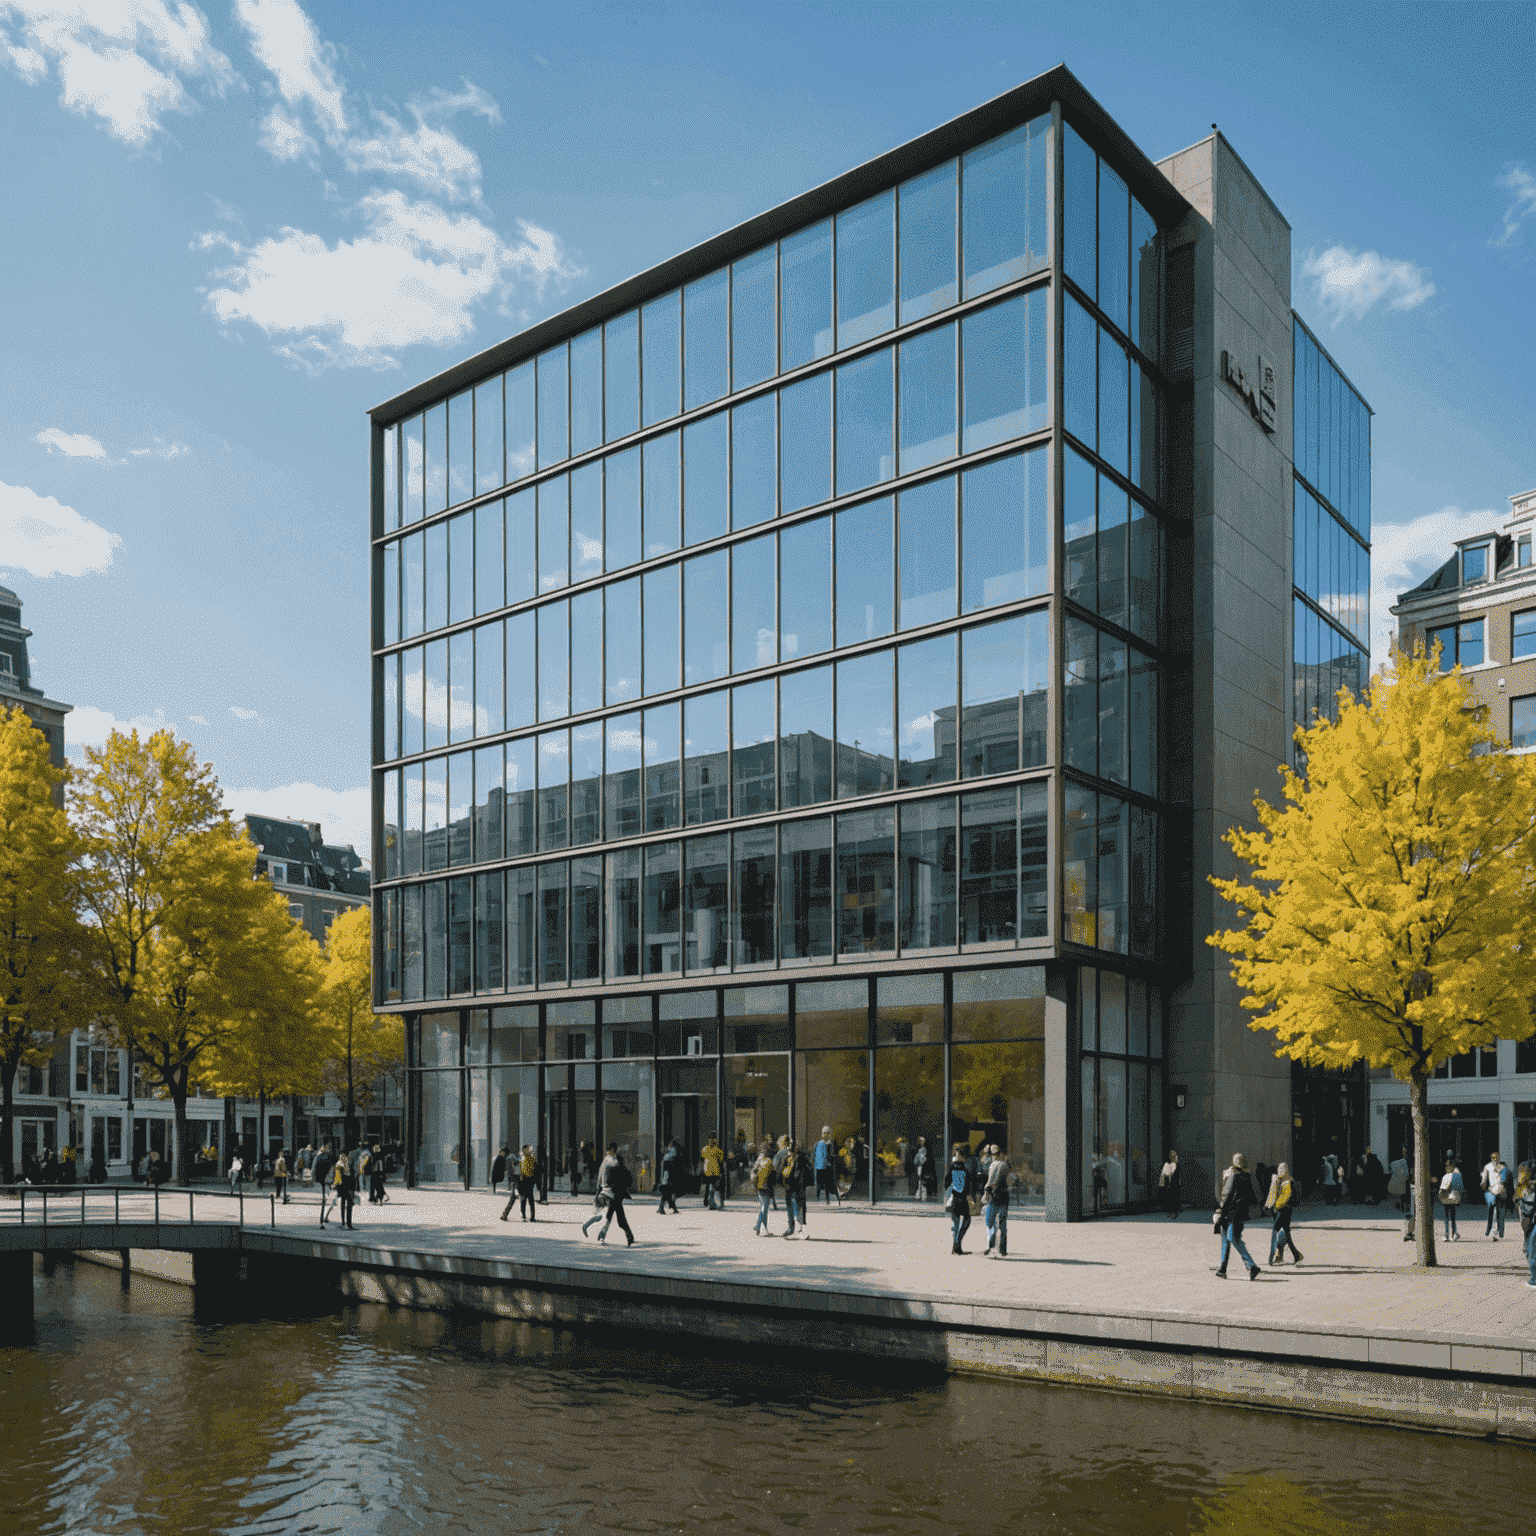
(288, 44)
(1523, 185)
(123, 61)
(73, 445)
(343, 814)
(427, 154)
(1349, 284)
(243, 714)
(161, 450)
(197, 720)
(1404, 554)
(284, 137)
(43, 537)
(415, 276)
(88, 726)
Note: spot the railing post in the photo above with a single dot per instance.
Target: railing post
(273, 1199)
(242, 1208)
(23, 1205)
(157, 1213)
(45, 1214)
(191, 1216)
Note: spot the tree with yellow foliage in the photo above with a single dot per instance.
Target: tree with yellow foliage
(1388, 901)
(363, 1045)
(39, 936)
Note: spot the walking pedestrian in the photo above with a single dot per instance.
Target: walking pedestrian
(790, 1167)
(345, 1180)
(922, 1163)
(762, 1182)
(1451, 1191)
(618, 1183)
(1237, 1199)
(498, 1168)
(1492, 1180)
(824, 1160)
(236, 1173)
(1525, 1209)
(525, 1185)
(1282, 1201)
(575, 1166)
(999, 1182)
(713, 1158)
(1170, 1192)
(325, 1165)
(955, 1201)
(1397, 1181)
(377, 1195)
(599, 1194)
(671, 1160)
(280, 1176)
(1330, 1179)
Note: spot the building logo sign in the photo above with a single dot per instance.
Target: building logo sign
(1259, 392)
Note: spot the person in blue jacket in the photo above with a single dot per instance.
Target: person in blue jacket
(956, 1202)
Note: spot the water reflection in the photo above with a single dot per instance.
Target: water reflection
(134, 1413)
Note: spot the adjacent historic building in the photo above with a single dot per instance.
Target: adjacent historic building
(16, 687)
(812, 679)
(319, 880)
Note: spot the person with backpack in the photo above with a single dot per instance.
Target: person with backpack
(1237, 1199)
(525, 1176)
(790, 1167)
(1282, 1201)
(498, 1169)
(666, 1185)
(1493, 1189)
(1525, 1209)
(955, 1200)
(996, 1195)
(1451, 1191)
(762, 1177)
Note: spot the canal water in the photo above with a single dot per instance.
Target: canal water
(139, 1413)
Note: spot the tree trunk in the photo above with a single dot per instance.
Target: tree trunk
(7, 1121)
(350, 1119)
(1423, 1174)
(261, 1132)
(179, 1099)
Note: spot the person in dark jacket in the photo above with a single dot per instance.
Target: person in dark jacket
(498, 1169)
(671, 1162)
(618, 1182)
(325, 1164)
(346, 1189)
(1237, 1200)
(792, 1168)
(1170, 1191)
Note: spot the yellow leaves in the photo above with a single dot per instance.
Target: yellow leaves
(1405, 853)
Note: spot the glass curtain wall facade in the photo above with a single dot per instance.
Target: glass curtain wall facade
(1331, 533)
(802, 617)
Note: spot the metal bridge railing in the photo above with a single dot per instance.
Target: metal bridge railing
(65, 1198)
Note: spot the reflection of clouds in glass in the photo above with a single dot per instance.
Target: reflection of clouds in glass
(482, 721)
(515, 777)
(463, 712)
(519, 461)
(413, 691)
(436, 703)
(628, 740)
(919, 731)
(413, 468)
(412, 798)
(589, 551)
(553, 748)
(765, 647)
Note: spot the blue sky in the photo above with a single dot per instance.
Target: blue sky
(233, 228)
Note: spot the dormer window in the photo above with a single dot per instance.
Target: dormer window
(1474, 564)
(1523, 550)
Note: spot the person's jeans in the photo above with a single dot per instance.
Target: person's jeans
(1280, 1239)
(960, 1224)
(1450, 1219)
(763, 1197)
(1232, 1237)
(997, 1221)
(616, 1214)
(989, 1215)
(591, 1221)
(713, 1200)
(280, 1188)
(1495, 1213)
(668, 1197)
(794, 1207)
(1530, 1252)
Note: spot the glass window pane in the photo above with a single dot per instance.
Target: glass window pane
(866, 270)
(866, 406)
(391, 593)
(522, 546)
(928, 224)
(992, 202)
(1114, 521)
(490, 799)
(805, 265)
(414, 583)
(390, 483)
(434, 813)
(435, 939)
(999, 671)
(1113, 846)
(805, 423)
(660, 602)
(1080, 671)
(661, 495)
(586, 522)
(391, 673)
(1033, 873)
(706, 904)
(586, 918)
(460, 919)
(520, 422)
(621, 382)
(587, 652)
(753, 295)
(866, 881)
(554, 407)
(864, 697)
(926, 555)
(927, 871)
(705, 492)
(1114, 247)
(1143, 724)
(989, 867)
(1004, 549)
(752, 742)
(805, 738)
(1082, 374)
(621, 901)
(554, 789)
(1144, 405)
(461, 792)
(753, 915)
(435, 714)
(865, 571)
(705, 778)
(927, 399)
(706, 325)
(490, 463)
(705, 587)
(554, 533)
(412, 813)
(490, 923)
(925, 711)
(622, 641)
(412, 701)
(1079, 519)
(586, 391)
(805, 588)
(490, 699)
(490, 577)
(521, 673)
(435, 458)
(413, 470)
(1114, 404)
(1080, 176)
(661, 920)
(1112, 710)
(663, 775)
(805, 890)
(554, 660)
(662, 358)
(1142, 577)
(753, 627)
(621, 497)
(461, 686)
(521, 803)
(621, 783)
(436, 561)
(754, 461)
(1145, 281)
(1112, 1012)
(586, 783)
(1522, 721)
(554, 881)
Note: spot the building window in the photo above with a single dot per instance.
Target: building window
(279, 873)
(1522, 629)
(1460, 644)
(296, 911)
(1474, 565)
(1522, 721)
(1480, 1061)
(1523, 550)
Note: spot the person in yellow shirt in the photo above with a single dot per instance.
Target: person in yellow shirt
(1282, 1201)
(713, 1158)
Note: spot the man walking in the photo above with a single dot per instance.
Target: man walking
(825, 1167)
(616, 1180)
(713, 1158)
(325, 1163)
(999, 1176)
(667, 1184)
(1493, 1192)
(1237, 1199)
(280, 1176)
(376, 1193)
(789, 1165)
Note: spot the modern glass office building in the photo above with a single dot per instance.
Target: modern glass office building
(784, 681)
